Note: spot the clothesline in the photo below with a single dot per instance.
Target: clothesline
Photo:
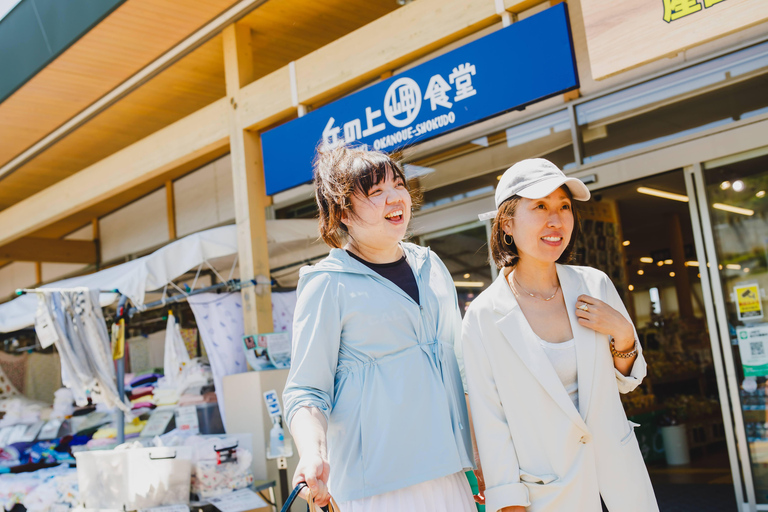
(23, 291)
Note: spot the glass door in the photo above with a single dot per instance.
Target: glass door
(464, 250)
(734, 204)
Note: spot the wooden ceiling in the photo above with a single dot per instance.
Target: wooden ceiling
(130, 38)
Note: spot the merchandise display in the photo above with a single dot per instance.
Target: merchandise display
(170, 401)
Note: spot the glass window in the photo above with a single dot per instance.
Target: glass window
(473, 168)
(704, 96)
(464, 250)
(738, 206)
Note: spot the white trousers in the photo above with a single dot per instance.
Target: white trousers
(447, 494)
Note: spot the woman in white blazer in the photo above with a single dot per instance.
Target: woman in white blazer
(547, 349)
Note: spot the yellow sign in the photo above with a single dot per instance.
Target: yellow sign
(118, 339)
(623, 34)
(748, 302)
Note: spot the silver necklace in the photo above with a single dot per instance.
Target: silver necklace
(532, 295)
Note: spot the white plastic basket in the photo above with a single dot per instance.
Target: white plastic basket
(134, 478)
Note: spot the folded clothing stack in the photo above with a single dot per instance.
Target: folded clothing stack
(141, 389)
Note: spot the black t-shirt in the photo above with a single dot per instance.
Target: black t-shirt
(399, 272)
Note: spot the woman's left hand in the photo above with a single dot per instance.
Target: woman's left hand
(600, 317)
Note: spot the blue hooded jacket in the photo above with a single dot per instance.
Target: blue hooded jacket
(383, 371)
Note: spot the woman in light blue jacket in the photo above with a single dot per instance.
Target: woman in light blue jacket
(374, 398)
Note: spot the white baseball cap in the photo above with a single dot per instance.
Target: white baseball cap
(534, 178)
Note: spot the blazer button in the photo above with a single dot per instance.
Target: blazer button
(584, 440)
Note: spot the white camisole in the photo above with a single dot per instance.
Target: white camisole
(563, 359)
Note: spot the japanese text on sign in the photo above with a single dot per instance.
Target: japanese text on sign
(464, 86)
(402, 105)
(676, 9)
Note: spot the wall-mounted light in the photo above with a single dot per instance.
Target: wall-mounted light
(734, 209)
(468, 284)
(733, 266)
(640, 272)
(692, 263)
(671, 274)
(668, 262)
(725, 185)
(660, 193)
(660, 263)
(738, 185)
(760, 193)
(646, 259)
(625, 243)
(631, 287)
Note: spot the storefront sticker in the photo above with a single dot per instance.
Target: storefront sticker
(753, 348)
(479, 80)
(748, 302)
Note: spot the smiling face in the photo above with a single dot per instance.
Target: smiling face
(542, 228)
(379, 218)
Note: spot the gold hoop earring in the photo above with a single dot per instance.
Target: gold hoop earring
(508, 237)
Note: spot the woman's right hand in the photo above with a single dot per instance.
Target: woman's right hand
(313, 470)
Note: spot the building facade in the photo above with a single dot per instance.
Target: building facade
(157, 120)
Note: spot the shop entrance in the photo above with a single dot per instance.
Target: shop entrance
(641, 234)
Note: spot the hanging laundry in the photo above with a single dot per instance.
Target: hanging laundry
(75, 324)
(220, 321)
(283, 306)
(176, 354)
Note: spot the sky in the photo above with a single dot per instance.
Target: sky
(6, 6)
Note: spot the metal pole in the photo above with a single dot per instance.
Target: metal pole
(121, 394)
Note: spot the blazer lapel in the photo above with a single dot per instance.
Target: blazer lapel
(586, 339)
(515, 328)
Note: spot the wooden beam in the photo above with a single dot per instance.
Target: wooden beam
(351, 61)
(170, 202)
(203, 34)
(249, 187)
(50, 250)
(97, 241)
(198, 134)
(389, 42)
(518, 6)
(38, 272)
(362, 56)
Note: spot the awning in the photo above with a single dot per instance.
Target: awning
(288, 240)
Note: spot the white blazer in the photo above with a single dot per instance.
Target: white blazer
(535, 448)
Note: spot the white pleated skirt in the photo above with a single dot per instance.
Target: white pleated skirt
(447, 494)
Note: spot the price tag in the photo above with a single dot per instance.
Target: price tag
(238, 501)
(44, 326)
(158, 422)
(273, 404)
(186, 419)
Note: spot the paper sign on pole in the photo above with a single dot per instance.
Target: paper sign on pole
(748, 302)
(753, 348)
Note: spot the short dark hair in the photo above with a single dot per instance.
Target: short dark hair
(506, 255)
(343, 171)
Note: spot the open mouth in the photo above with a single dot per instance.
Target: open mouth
(552, 239)
(395, 216)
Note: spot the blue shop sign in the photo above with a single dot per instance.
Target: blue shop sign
(529, 61)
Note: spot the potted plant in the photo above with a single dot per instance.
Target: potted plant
(674, 435)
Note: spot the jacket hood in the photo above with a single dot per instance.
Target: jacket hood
(338, 260)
